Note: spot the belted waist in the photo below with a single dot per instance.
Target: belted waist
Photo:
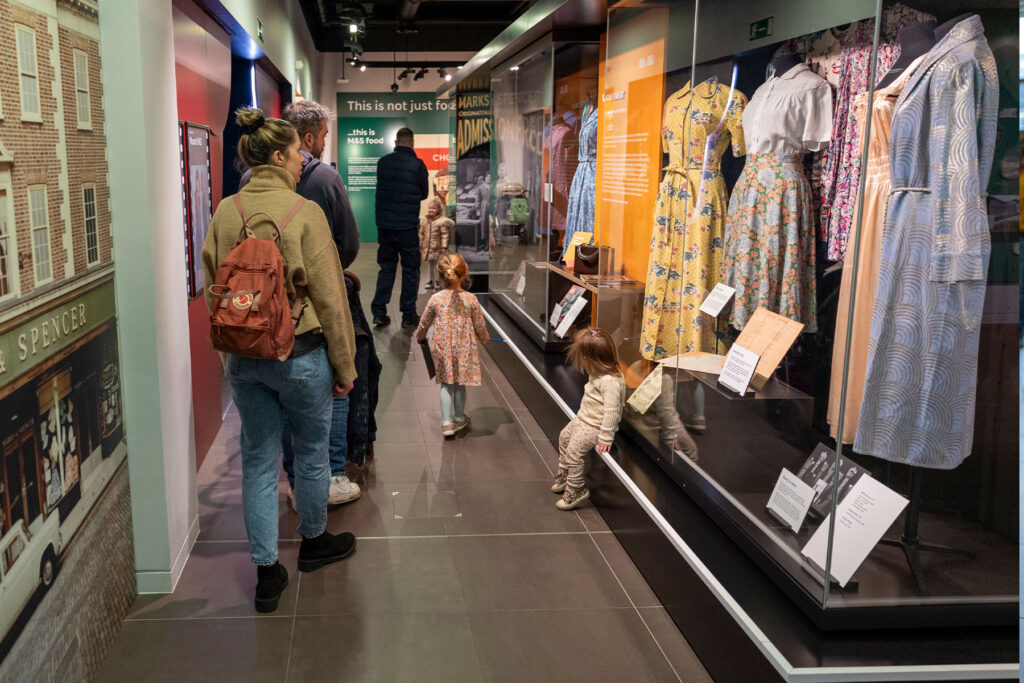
(777, 157)
(683, 169)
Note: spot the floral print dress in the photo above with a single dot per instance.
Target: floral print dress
(458, 323)
(689, 218)
(769, 247)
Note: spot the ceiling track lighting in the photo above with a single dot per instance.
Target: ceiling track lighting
(420, 74)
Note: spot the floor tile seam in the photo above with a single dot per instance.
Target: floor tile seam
(404, 537)
(647, 626)
(291, 637)
(137, 619)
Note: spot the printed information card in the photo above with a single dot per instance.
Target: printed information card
(862, 519)
(717, 299)
(738, 369)
(790, 500)
(648, 391)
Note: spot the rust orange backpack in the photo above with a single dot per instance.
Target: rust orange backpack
(252, 316)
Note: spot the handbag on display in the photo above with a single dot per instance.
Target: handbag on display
(592, 260)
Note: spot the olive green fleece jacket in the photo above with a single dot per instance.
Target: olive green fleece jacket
(311, 262)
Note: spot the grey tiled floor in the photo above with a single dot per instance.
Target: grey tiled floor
(464, 570)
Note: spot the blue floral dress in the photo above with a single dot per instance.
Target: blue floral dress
(582, 193)
(689, 219)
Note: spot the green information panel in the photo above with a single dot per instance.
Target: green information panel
(367, 124)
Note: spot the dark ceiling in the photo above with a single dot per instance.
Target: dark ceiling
(412, 25)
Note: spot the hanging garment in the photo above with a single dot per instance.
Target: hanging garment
(580, 216)
(843, 58)
(876, 191)
(689, 218)
(922, 366)
(769, 247)
(564, 146)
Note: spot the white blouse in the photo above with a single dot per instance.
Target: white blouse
(789, 114)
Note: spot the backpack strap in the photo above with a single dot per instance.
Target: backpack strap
(287, 218)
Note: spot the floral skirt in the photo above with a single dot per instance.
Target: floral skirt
(769, 243)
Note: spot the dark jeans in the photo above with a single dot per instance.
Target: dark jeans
(395, 244)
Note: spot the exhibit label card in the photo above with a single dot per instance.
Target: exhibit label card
(648, 391)
(579, 238)
(556, 315)
(717, 300)
(738, 369)
(790, 499)
(570, 316)
(861, 520)
(696, 361)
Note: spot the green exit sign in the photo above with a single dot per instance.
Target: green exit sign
(762, 29)
(259, 29)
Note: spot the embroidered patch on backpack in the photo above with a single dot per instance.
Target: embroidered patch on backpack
(242, 302)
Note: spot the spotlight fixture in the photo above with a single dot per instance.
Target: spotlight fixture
(515, 68)
(394, 87)
(353, 28)
(420, 74)
(406, 73)
(362, 67)
(353, 61)
(443, 73)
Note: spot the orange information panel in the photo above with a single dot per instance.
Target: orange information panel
(632, 92)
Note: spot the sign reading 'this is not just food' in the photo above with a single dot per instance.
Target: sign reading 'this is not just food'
(367, 124)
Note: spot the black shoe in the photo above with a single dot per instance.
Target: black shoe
(410, 324)
(270, 583)
(324, 550)
(381, 320)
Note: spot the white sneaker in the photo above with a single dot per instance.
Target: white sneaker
(342, 491)
(461, 423)
(448, 429)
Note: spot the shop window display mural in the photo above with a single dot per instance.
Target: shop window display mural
(65, 526)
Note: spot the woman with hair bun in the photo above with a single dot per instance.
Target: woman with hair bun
(320, 365)
(458, 324)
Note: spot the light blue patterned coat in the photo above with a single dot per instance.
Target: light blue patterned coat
(922, 367)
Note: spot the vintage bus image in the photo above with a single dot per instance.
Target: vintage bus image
(61, 435)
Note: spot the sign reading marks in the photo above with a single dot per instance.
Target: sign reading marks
(762, 29)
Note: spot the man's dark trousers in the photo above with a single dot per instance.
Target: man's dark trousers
(395, 244)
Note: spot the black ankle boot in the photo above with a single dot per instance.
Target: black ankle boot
(271, 582)
(324, 549)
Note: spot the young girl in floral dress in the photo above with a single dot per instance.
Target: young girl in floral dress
(458, 325)
(592, 353)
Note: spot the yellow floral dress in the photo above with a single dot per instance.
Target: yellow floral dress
(689, 219)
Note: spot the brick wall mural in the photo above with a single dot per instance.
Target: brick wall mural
(66, 561)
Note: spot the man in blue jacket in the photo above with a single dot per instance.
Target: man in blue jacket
(402, 184)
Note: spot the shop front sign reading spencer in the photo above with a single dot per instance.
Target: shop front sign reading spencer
(48, 332)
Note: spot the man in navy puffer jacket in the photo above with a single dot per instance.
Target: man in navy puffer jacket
(402, 184)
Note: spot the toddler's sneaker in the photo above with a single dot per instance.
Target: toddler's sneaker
(448, 428)
(461, 423)
(342, 491)
(429, 285)
(572, 498)
(560, 481)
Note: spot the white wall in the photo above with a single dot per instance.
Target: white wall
(137, 47)
(286, 38)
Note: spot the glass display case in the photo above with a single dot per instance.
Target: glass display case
(544, 160)
(810, 266)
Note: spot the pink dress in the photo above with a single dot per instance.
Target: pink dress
(458, 323)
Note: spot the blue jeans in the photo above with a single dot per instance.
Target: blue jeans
(392, 245)
(266, 391)
(337, 445)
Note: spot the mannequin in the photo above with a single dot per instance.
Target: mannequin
(785, 62)
(914, 40)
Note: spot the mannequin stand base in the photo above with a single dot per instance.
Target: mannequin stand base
(912, 548)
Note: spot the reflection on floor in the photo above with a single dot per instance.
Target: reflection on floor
(465, 570)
